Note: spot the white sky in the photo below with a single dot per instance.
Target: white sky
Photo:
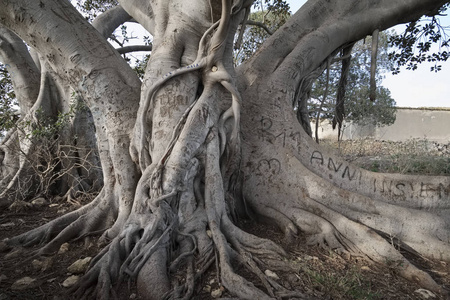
(419, 88)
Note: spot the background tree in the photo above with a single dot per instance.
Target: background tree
(199, 144)
(357, 106)
(267, 18)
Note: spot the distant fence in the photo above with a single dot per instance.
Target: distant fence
(411, 123)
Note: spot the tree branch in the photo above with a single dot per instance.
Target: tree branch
(24, 73)
(134, 48)
(284, 55)
(108, 21)
(259, 24)
(142, 12)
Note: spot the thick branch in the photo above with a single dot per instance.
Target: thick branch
(141, 11)
(135, 48)
(86, 61)
(77, 47)
(259, 24)
(323, 27)
(108, 21)
(23, 71)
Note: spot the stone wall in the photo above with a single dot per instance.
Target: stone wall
(432, 124)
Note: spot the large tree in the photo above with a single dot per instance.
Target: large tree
(200, 143)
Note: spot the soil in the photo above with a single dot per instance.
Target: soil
(316, 273)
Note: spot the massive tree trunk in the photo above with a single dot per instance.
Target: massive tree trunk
(207, 143)
(38, 154)
(25, 78)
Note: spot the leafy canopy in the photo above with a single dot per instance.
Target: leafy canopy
(425, 40)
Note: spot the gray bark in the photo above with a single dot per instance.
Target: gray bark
(108, 21)
(25, 76)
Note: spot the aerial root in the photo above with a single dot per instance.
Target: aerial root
(321, 231)
(230, 279)
(235, 109)
(343, 235)
(187, 249)
(188, 253)
(127, 253)
(284, 223)
(243, 240)
(330, 238)
(97, 282)
(184, 291)
(87, 220)
(132, 267)
(256, 254)
(142, 150)
(199, 63)
(232, 243)
(233, 112)
(193, 272)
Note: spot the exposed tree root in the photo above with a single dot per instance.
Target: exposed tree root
(343, 235)
(231, 242)
(429, 239)
(94, 217)
(338, 205)
(337, 220)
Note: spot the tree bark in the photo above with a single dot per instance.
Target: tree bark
(175, 159)
(25, 78)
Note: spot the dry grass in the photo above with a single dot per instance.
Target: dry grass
(415, 156)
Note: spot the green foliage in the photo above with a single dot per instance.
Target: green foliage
(359, 108)
(44, 127)
(140, 66)
(414, 45)
(92, 8)
(8, 104)
(273, 14)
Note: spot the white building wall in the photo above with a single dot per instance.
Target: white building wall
(422, 123)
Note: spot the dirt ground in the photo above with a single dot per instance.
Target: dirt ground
(316, 273)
